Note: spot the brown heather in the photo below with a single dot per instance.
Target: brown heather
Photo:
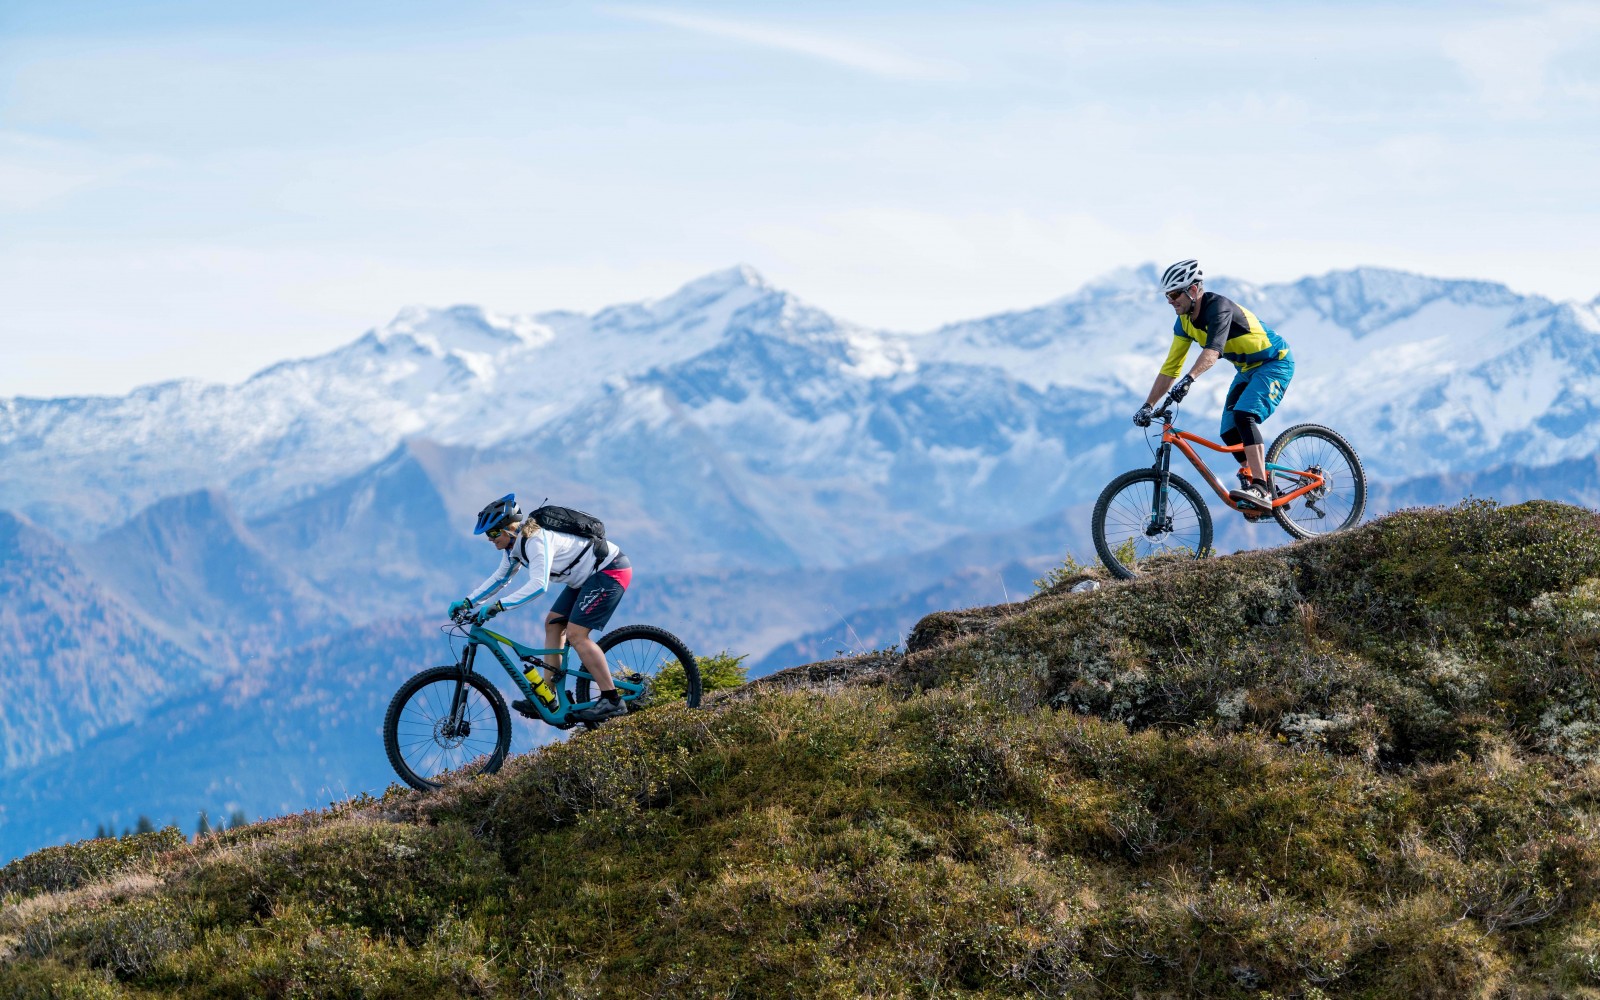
(1365, 766)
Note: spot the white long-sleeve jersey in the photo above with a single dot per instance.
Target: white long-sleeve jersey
(549, 557)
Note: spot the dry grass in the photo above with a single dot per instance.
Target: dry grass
(1351, 768)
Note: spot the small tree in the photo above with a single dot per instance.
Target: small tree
(237, 819)
(144, 825)
(1069, 568)
(724, 670)
(204, 826)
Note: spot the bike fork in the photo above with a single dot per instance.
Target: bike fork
(458, 701)
(1158, 503)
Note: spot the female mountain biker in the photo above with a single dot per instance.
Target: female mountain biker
(1264, 364)
(594, 571)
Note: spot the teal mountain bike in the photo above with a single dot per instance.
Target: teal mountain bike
(450, 721)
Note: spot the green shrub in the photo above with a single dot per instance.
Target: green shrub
(389, 878)
(1069, 572)
(1415, 637)
(127, 939)
(56, 869)
(26, 979)
(717, 673)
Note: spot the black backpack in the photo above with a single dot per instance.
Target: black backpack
(570, 522)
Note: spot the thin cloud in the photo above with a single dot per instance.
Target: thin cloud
(1510, 59)
(840, 51)
(35, 171)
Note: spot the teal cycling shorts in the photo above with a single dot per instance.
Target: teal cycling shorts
(1257, 391)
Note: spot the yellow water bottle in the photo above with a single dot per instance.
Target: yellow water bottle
(535, 676)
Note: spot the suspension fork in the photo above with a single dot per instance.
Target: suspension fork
(1163, 467)
(458, 700)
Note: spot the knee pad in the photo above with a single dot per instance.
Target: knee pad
(1249, 428)
(1231, 436)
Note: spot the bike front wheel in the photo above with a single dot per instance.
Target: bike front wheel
(426, 741)
(652, 658)
(1128, 531)
(1335, 505)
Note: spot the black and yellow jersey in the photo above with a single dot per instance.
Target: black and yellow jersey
(1228, 327)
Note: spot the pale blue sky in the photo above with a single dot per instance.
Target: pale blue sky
(199, 189)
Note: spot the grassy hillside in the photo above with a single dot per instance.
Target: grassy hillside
(1357, 767)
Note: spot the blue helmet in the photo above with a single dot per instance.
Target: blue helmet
(501, 512)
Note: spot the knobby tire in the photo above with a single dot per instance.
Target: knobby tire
(1347, 486)
(644, 661)
(1127, 498)
(396, 742)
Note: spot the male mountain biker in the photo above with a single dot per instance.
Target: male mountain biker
(594, 571)
(1264, 364)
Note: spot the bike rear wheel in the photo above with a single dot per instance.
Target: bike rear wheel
(652, 656)
(1333, 507)
(421, 741)
(1124, 528)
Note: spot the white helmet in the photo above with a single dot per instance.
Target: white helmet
(1180, 275)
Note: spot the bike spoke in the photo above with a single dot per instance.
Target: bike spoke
(1341, 494)
(1128, 519)
(421, 737)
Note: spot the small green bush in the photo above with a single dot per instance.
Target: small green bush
(57, 869)
(1070, 571)
(717, 673)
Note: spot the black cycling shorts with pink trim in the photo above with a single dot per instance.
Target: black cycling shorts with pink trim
(590, 604)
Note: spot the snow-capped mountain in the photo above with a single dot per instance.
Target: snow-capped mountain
(458, 375)
(798, 415)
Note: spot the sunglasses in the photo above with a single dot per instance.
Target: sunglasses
(494, 533)
(1173, 296)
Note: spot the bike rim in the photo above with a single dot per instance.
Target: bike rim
(651, 662)
(1129, 514)
(422, 736)
(1337, 504)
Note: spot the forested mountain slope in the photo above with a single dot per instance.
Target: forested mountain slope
(1362, 766)
(77, 659)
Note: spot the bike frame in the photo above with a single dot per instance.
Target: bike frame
(478, 636)
(1172, 437)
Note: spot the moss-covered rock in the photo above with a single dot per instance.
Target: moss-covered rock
(1413, 638)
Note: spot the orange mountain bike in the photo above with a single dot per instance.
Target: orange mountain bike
(1318, 487)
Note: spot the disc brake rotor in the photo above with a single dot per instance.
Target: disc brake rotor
(450, 736)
